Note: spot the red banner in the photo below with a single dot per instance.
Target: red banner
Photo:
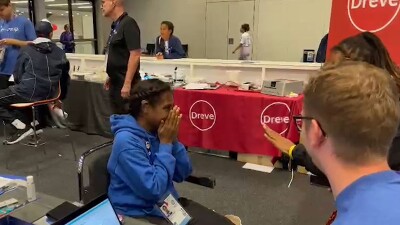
(381, 17)
(230, 120)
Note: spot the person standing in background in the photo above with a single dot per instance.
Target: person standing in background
(67, 39)
(122, 54)
(245, 43)
(15, 32)
(168, 46)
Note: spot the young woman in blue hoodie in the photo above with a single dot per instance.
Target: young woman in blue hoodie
(168, 46)
(147, 159)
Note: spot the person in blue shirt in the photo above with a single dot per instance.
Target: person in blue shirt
(169, 46)
(15, 32)
(350, 116)
(67, 39)
(147, 158)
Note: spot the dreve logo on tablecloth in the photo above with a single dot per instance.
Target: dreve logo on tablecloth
(202, 115)
(372, 15)
(276, 116)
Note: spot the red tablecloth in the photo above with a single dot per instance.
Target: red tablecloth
(231, 120)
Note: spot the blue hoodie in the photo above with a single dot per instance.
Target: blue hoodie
(139, 177)
(175, 48)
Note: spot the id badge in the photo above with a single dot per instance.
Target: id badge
(173, 211)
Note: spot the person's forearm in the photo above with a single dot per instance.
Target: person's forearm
(18, 43)
(302, 158)
(238, 47)
(132, 67)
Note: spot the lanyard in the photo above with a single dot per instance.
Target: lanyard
(114, 29)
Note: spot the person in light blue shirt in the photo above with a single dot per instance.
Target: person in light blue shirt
(15, 32)
(350, 115)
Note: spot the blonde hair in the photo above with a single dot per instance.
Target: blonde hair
(357, 105)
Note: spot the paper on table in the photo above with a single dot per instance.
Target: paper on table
(265, 169)
(197, 86)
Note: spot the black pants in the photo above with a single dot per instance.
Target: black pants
(4, 82)
(118, 104)
(7, 97)
(200, 214)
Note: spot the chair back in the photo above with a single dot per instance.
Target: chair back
(95, 161)
(186, 49)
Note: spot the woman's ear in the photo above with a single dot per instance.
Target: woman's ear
(145, 106)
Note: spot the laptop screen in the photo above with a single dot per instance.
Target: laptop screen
(102, 213)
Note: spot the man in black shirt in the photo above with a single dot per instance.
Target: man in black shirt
(122, 54)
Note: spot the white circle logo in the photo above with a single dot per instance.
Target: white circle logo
(202, 115)
(276, 116)
(372, 15)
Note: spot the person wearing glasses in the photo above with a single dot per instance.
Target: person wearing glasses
(365, 47)
(350, 116)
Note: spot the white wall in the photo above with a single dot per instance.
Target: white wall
(283, 28)
(286, 27)
(188, 17)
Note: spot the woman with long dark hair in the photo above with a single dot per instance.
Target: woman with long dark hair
(365, 47)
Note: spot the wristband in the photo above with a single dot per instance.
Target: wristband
(290, 152)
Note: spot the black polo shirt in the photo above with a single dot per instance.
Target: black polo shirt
(124, 37)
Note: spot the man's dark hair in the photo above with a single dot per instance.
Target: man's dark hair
(149, 90)
(246, 27)
(5, 2)
(367, 47)
(170, 26)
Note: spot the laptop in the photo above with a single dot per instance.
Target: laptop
(97, 212)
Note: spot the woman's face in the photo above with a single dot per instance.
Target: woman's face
(241, 30)
(155, 114)
(165, 31)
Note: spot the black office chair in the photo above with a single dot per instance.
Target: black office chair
(97, 159)
(186, 49)
(151, 49)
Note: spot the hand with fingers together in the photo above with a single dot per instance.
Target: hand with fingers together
(283, 144)
(168, 130)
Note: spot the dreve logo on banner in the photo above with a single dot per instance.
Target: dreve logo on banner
(202, 115)
(372, 15)
(276, 116)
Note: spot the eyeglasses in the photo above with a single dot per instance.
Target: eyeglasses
(299, 122)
